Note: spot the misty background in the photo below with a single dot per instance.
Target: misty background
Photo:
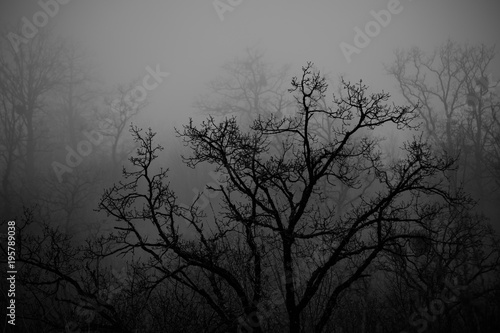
(188, 39)
(179, 51)
(192, 41)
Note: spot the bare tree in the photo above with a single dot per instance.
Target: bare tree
(27, 76)
(454, 96)
(114, 118)
(271, 211)
(10, 150)
(77, 97)
(453, 259)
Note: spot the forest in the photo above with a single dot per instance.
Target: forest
(293, 201)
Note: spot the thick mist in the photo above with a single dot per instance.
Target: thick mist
(250, 166)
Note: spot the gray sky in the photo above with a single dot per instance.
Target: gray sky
(189, 40)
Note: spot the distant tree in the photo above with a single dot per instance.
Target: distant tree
(244, 260)
(453, 259)
(27, 76)
(115, 117)
(67, 192)
(249, 87)
(76, 97)
(492, 157)
(10, 151)
(456, 98)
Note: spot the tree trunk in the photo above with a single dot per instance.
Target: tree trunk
(30, 188)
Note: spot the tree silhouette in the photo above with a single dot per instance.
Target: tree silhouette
(27, 76)
(250, 258)
(458, 103)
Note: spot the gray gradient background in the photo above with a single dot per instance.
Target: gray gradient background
(188, 40)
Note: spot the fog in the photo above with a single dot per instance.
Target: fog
(174, 53)
(189, 40)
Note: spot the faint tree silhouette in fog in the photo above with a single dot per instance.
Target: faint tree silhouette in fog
(26, 79)
(249, 87)
(459, 105)
(115, 117)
